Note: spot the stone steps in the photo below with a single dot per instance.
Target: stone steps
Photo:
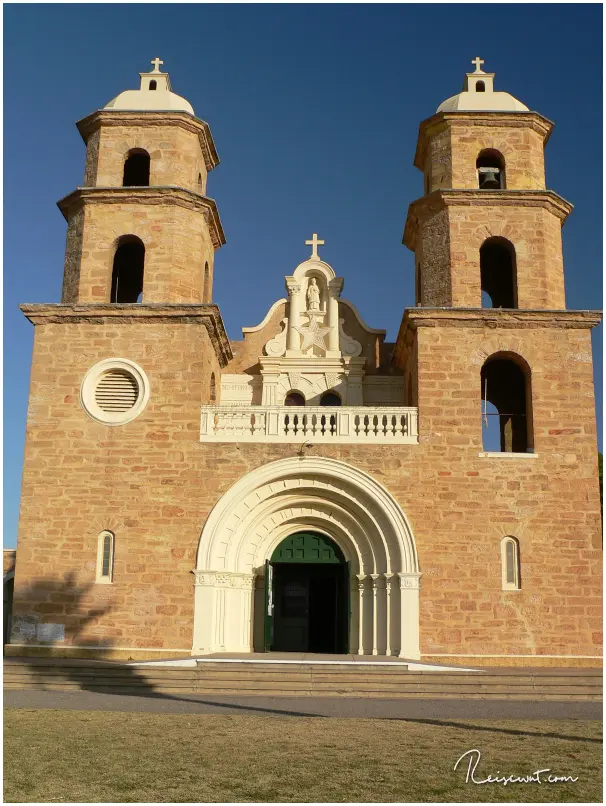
(322, 680)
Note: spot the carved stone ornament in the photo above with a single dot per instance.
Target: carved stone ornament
(408, 581)
(313, 334)
(294, 379)
(276, 347)
(349, 347)
(332, 379)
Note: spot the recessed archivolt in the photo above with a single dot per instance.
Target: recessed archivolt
(341, 501)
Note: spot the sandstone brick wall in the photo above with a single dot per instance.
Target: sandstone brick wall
(8, 560)
(176, 157)
(449, 241)
(153, 484)
(177, 240)
(81, 477)
(551, 503)
(455, 142)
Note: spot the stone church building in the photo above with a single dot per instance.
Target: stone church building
(311, 487)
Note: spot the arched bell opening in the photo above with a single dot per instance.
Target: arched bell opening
(498, 274)
(490, 167)
(506, 404)
(136, 168)
(128, 269)
(307, 596)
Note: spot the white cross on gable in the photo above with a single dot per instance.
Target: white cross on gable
(478, 63)
(314, 243)
(156, 63)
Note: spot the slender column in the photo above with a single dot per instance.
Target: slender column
(391, 582)
(293, 341)
(334, 290)
(354, 623)
(409, 615)
(363, 607)
(378, 585)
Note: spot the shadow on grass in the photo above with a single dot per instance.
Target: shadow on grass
(442, 723)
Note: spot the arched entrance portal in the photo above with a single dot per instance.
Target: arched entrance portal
(307, 494)
(307, 595)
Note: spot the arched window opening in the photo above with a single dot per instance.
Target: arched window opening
(498, 274)
(510, 563)
(153, 85)
(127, 274)
(206, 291)
(200, 182)
(480, 86)
(506, 401)
(330, 399)
(213, 388)
(105, 557)
(490, 166)
(294, 399)
(136, 169)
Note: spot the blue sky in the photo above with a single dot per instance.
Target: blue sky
(315, 111)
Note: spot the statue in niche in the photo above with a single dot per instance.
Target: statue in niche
(313, 295)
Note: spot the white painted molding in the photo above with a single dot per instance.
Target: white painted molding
(322, 424)
(506, 455)
(302, 494)
(89, 385)
(268, 316)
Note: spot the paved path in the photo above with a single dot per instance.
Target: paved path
(303, 706)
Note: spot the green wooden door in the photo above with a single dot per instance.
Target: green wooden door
(268, 615)
(307, 547)
(309, 595)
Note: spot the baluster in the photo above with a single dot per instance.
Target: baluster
(333, 425)
(286, 424)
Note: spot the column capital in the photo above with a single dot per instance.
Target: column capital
(293, 286)
(378, 581)
(409, 580)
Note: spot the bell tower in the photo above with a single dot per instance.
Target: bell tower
(141, 228)
(486, 233)
(490, 346)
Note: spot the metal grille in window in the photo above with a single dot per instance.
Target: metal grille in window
(107, 556)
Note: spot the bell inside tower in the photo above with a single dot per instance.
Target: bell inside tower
(491, 170)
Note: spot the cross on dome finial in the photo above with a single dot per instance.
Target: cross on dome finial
(314, 243)
(478, 63)
(156, 63)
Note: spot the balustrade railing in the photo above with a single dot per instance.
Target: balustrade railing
(368, 424)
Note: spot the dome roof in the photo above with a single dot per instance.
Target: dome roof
(479, 96)
(154, 94)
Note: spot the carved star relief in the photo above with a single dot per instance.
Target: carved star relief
(312, 334)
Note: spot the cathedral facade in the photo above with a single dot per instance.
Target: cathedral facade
(311, 487)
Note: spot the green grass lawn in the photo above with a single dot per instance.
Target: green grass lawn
(90, 756)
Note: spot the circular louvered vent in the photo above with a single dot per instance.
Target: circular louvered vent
(116, 391)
